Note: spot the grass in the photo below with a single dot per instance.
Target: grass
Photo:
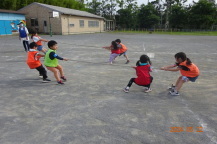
(196, 33)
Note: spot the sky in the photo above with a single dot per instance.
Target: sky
(146, 1)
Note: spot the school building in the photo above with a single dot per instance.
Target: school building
(44, 18)
(9, 21)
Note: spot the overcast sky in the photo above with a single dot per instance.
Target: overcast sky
(146, 1)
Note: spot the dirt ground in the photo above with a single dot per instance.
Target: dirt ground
(91, 108)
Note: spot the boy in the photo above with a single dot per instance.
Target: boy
(34, 63)
(51, 62)
(123, 49)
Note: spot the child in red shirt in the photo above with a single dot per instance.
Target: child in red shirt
(34, 63)
(188, 70)
(115, 51)
(123, 50)
(143, 69)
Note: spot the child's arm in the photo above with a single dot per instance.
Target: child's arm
(40, 55)
(107, 47)
(44, 40)
(171, 68)
(54, 55)
(168, 67)
(151, 69)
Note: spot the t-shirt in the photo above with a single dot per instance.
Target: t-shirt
(36, 39)
(122, 47)
(188, 70)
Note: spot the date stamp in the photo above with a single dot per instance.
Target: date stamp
(186, 129)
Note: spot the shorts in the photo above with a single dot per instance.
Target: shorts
(124, 53)
(39, 48)
(192, 79)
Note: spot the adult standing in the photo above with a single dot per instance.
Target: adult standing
(23, 36)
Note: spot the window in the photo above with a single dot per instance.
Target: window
(71, 25)
(81, 23)
(34, 22)
(93, 23)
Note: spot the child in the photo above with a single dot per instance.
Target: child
(143, 69)
(38, 41)
(23, 36)
(188, 70)
(115, 51)
(51, 62)
(123, 49)
(34, 63)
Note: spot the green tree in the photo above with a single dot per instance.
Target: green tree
(202, 15)
(148, 16)
(178, 16)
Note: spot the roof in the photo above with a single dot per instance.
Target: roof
(10, 11)
(66, 11)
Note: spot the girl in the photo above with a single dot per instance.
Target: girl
(115, 51)
(188, 70)
(143, 69)
(38, 40)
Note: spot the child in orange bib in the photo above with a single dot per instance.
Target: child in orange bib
(123, 50)
(188, 70)
(34, 63)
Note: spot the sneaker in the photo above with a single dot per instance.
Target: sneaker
(63, 78)
(40, 76)
(60, 82)
(174, 93)
(126, 90)
(127, 62)
(172, 87)
(148, 90)
(46, 80)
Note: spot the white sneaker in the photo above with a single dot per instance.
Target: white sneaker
(148, 90)
(126, 90)
(40, 76)
(174, 93)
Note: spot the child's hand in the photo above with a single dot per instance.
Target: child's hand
(65, 59)
(162, 68)
(133, 67)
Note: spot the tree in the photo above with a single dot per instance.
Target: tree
(202, 15)
(148, 16)
(178, 16)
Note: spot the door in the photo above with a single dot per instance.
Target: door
(45, 27)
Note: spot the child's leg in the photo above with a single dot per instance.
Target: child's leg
(59, 67)
(132, 80)
(27, 44)
(44, 50)
(126, 57)
(55, 71)
(181, 80)
(112, 57)
(42, 71)
(24, 45)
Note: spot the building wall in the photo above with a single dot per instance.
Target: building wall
(41, 14)
(62, 25)
(71, 25)
(9, 22)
